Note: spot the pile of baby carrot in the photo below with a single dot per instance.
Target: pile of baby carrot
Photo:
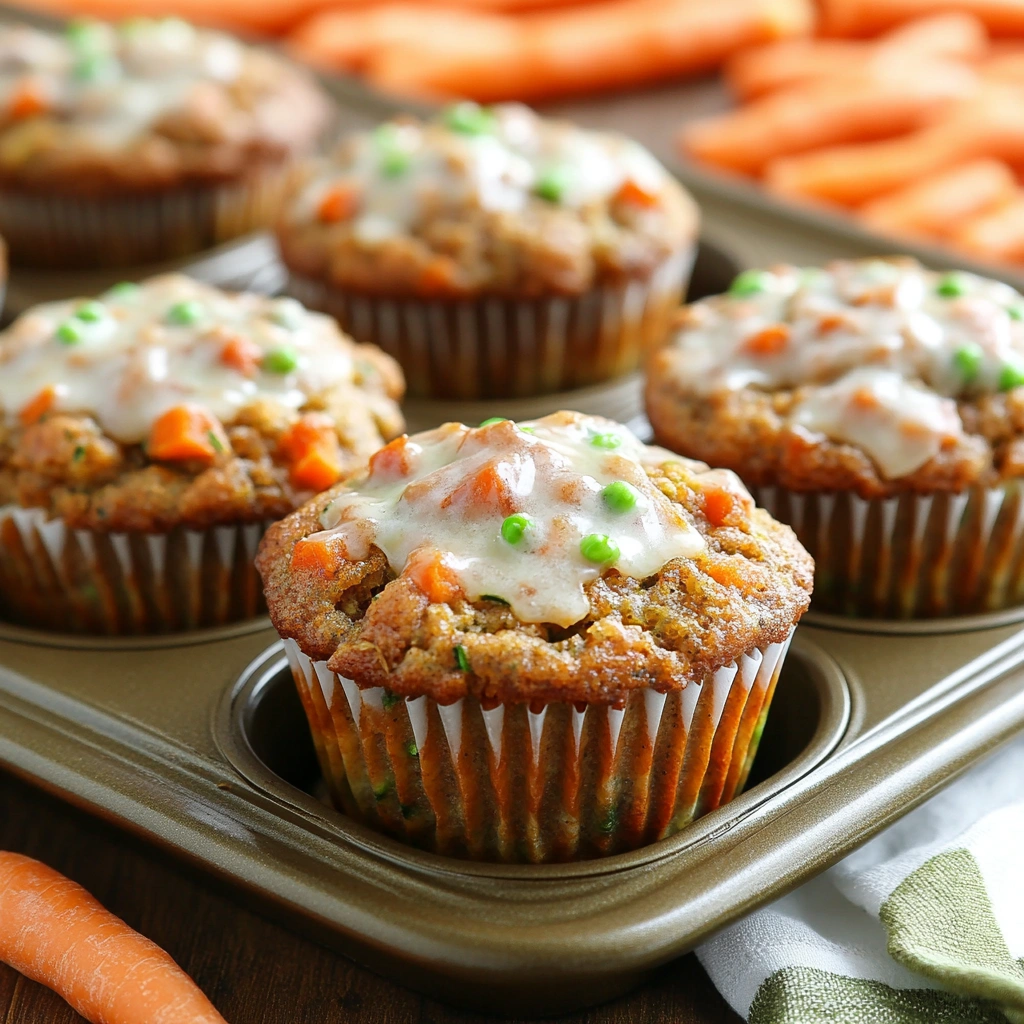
(492, 49)
(918, 129)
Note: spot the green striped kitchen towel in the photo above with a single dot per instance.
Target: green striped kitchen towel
(922, 925)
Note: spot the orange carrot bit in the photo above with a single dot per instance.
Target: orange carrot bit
(728, 573)
(321, 557)
(486, 491)
(864, 400)
(56, 933)
(719, 505)
(635, 193)
(309, 431)
(768, 342)
(241, 354)
(310, 446)
(38, 407)
(187, 433)
(394, 460)
(428, 570)
(832, 322)
(319, 469)
(439, 277)
(26, 101)
(339, 204)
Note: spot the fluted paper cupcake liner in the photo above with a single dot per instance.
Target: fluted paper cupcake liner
(514, 783)
(506, 348)
(910, 556)
(131, 229)
(83, 581)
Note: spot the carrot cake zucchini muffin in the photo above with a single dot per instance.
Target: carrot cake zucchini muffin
(878, 408)
(536, 641)
(143, 141)
(146, 438)
(492, 252)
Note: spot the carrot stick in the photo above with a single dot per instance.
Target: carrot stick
(55, 933)
(997, 235)
(851, 175)
(855, 108)
(939, 205)
(763, 69)
(613, 44)
(869, 17)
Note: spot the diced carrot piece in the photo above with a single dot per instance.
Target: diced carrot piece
(393, 460)
(439, 277)
(338, 204)
(322, 557)
(727, 573)
(39, 406)
(187, 433)
(864, 399)
(241, 354)
(632, 192)
(27, 100)
(485, 491)
(317, 470)
(768, 342)
(832, 322)
(308, 432)
(719, 505)
(428, 570)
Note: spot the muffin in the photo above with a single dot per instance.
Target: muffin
(493, 253)
(534, 642)
(143, 141)
(878, 408)
(148, 436)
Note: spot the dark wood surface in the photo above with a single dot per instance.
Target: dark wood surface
(254, 971)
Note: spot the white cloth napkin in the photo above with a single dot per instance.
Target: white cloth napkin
(922, 925)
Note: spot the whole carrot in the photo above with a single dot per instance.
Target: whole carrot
(54, 932)
(869, 17)
(997, 235)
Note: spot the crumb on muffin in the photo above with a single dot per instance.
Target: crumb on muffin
(554, 560)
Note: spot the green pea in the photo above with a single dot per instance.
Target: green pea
(952, 286)
(394, 163)
(91, 312)
(470, 119)
(84, 33)
(123, 290)
(620, 496)
(461, 658)
(600, 548)
(514, 526)
(70, 333)
(1011, 376)
(287, 313)
(186, 313)
(1016, 312)
(968, 359)
(608, 440)
(751, 282)
(553, 182)
(282, 359)
(492, 419)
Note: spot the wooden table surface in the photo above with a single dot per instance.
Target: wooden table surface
(255, 971)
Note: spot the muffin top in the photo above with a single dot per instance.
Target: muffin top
(873, 375)
(555, 560)
(174, 403)
(494, 200)
(145, 104)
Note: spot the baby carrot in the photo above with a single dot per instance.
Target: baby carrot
(869, 17)
(55, 933)
(997, 235)
(859, 108)
(993, 127)
(762, 69)
(940, 204)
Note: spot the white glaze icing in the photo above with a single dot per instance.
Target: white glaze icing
(496, 170)
(424, 500)
(915, 339)
(131, 365)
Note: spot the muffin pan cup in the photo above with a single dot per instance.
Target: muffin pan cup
(503, 348)
(61, 232)
(915, 555)
(199, 743)
(86, 581)
(523, 784)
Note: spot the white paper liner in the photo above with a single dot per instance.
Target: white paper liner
(911, 556)
(523, 784)
(503, 348)
(123, 230)
(71, 580)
